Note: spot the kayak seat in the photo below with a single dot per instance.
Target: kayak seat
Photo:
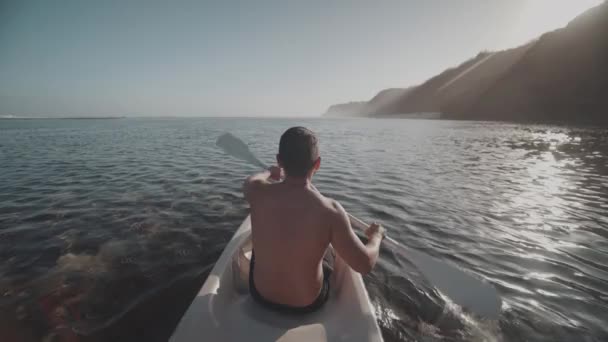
(240, 266)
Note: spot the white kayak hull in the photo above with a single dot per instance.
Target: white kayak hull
(222, 311)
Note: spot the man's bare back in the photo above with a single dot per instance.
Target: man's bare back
(292, 227)
(291, 233)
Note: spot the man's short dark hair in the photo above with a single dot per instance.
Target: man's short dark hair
(298, 151)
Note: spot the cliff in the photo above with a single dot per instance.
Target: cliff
(561, 76)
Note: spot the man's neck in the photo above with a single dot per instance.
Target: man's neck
(300, 181)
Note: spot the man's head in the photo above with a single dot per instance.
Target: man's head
(298, 152)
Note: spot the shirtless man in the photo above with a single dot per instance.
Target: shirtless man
(292, 227)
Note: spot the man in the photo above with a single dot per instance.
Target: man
(292, 227)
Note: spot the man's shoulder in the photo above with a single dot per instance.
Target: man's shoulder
(331, 207)
(260, 186)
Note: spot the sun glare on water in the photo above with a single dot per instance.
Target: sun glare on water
(539, 16)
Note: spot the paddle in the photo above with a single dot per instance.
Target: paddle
(462, 288)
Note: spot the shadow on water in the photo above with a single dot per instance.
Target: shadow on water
(155, 318)
(57, 316)
(151, 320)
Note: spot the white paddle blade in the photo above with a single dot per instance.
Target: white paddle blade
(469, 292)
(464, 289)
(238, 149)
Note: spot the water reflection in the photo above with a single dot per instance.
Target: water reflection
(108, 228)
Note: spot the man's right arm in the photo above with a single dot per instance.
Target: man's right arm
(253, 183)
(358, 256)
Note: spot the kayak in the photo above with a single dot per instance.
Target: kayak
(224, 311)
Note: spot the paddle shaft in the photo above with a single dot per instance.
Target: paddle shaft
(363, 226)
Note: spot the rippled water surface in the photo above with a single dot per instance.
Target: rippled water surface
(108, 227)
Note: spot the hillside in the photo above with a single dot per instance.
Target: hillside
(561, 76)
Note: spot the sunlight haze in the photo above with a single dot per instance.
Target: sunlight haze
(240, 58)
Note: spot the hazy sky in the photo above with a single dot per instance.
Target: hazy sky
(241, 58)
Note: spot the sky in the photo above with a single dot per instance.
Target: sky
(244, 58)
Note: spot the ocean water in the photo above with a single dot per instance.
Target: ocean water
(108, 227)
